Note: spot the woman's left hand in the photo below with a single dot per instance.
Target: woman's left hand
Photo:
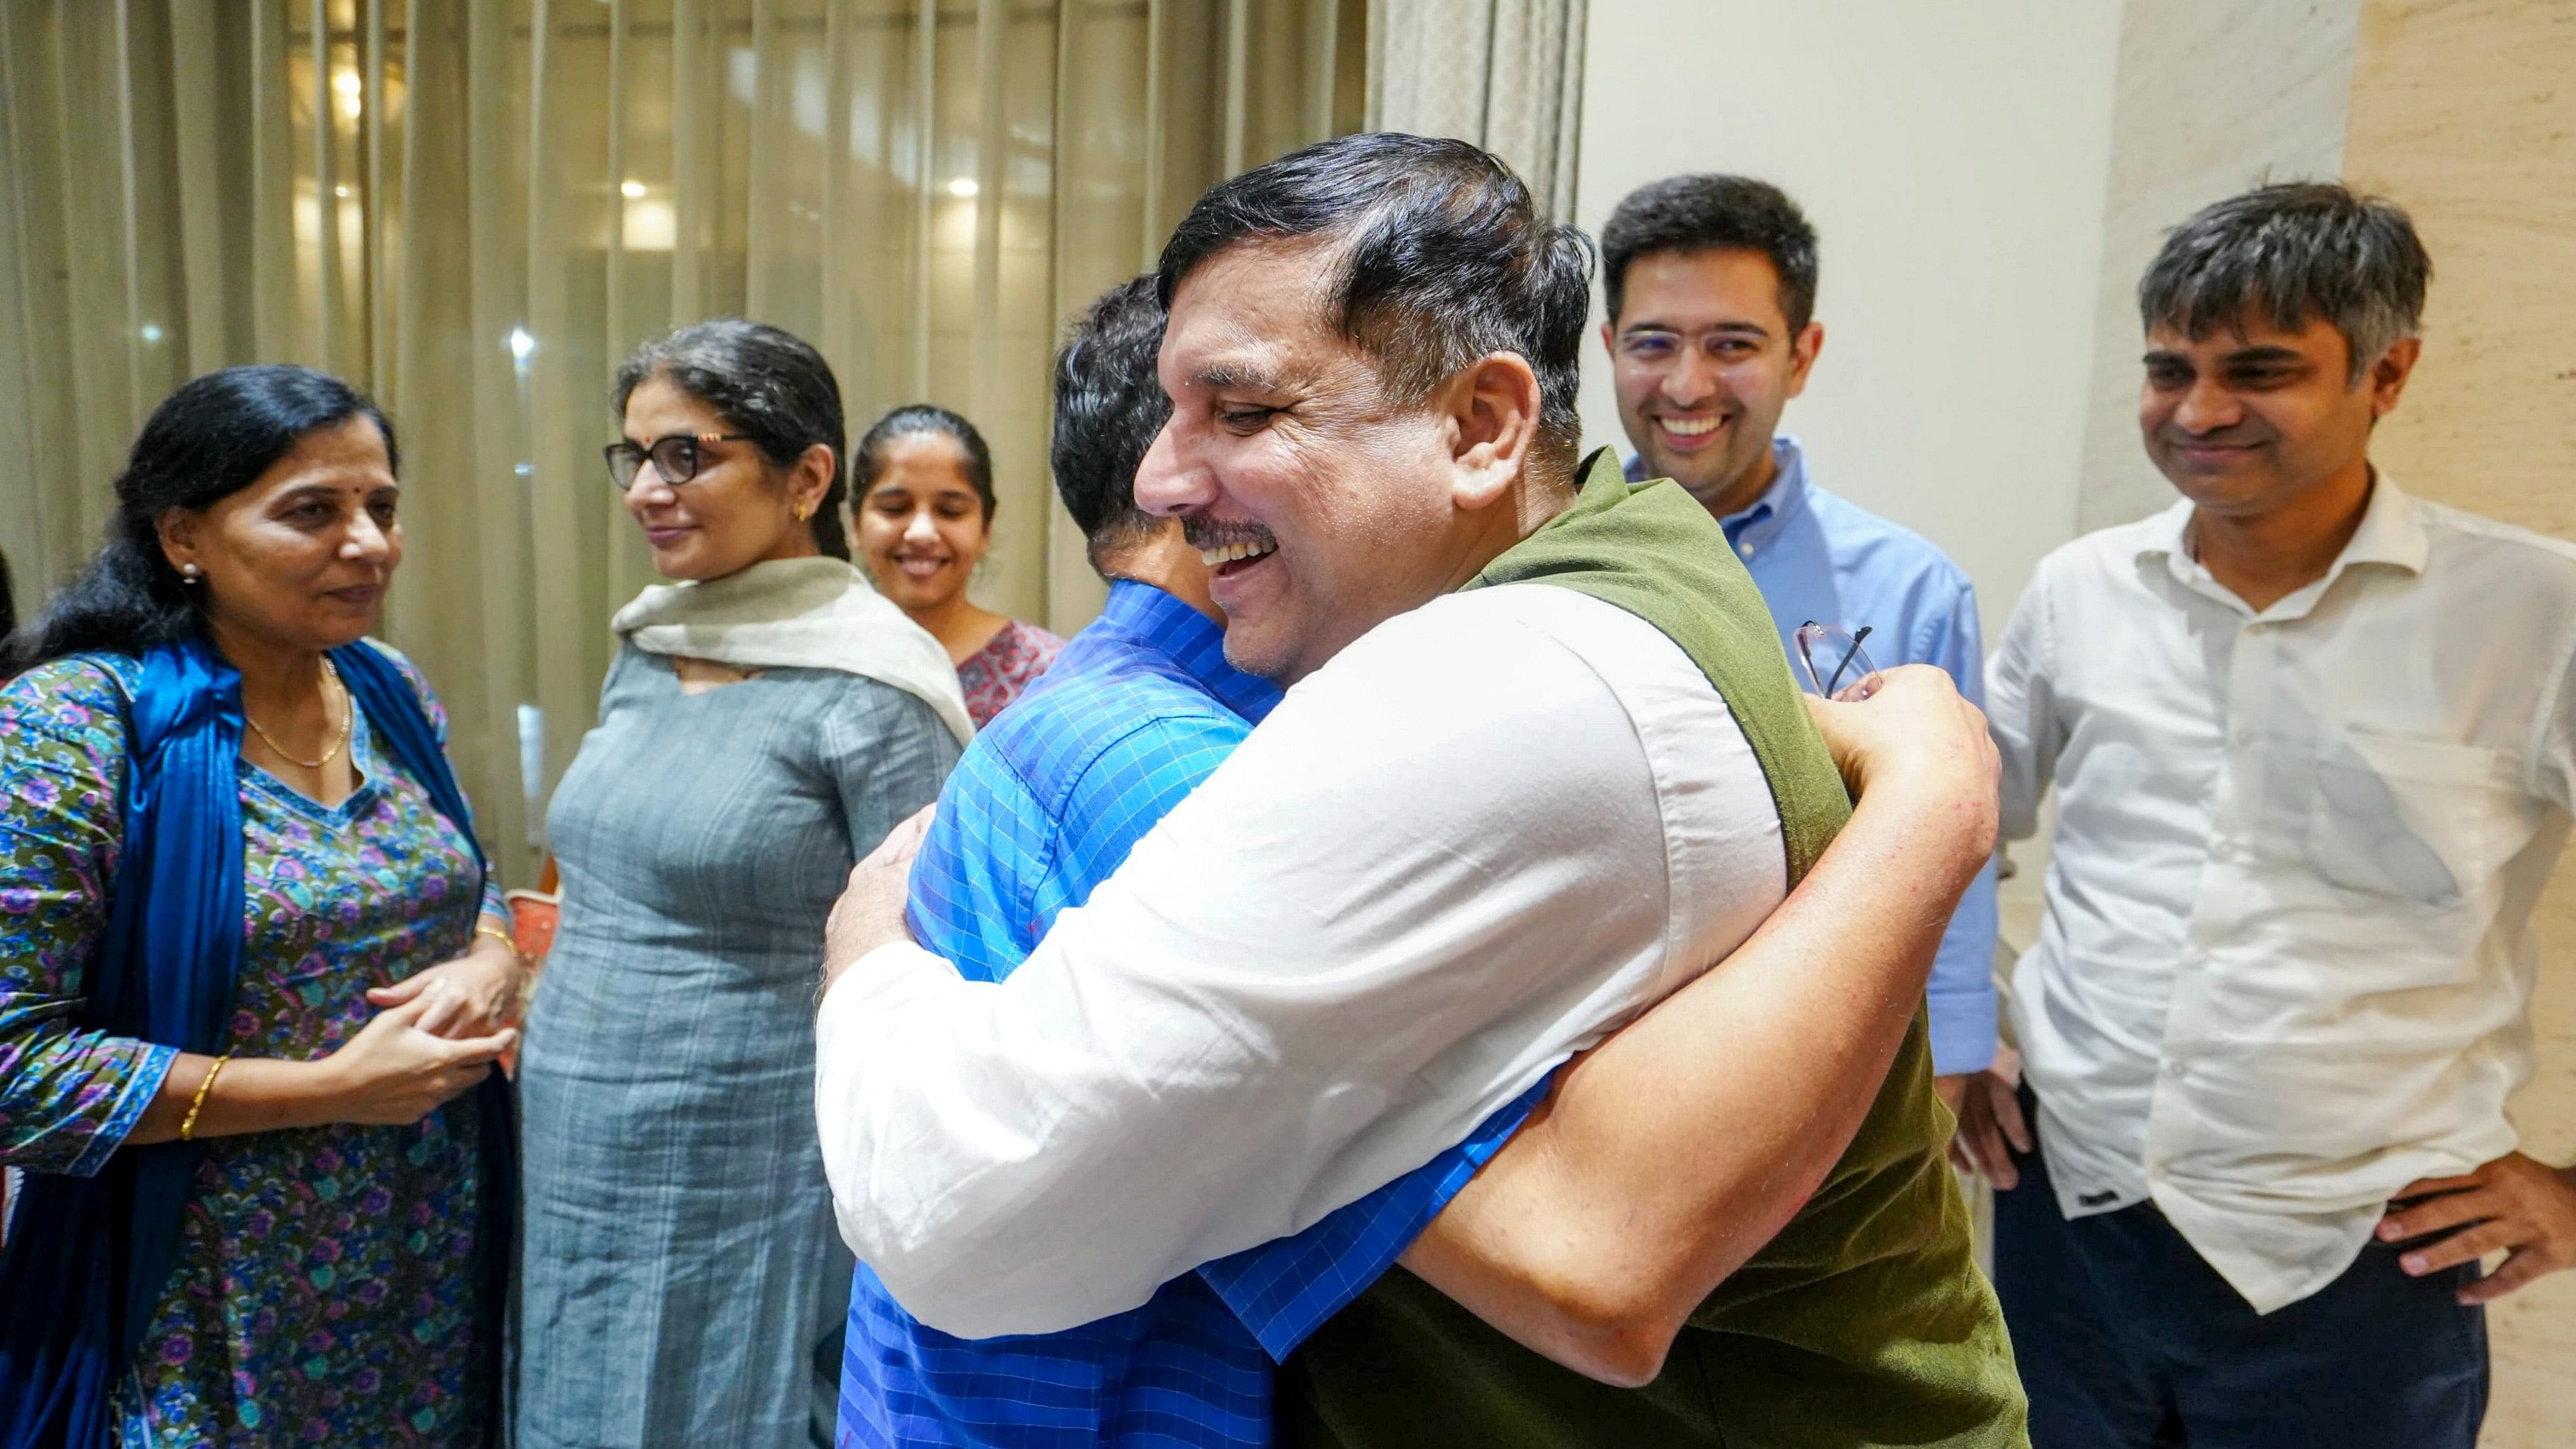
(478, 994)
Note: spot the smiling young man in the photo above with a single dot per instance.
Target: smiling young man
(1711, 288)
(2314, 746)
(1539, 763)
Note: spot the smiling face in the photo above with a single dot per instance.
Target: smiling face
(1703, 360)
(1322, 507)
(298, 560)
(2244, 421)
(922, 525)
(739, 510)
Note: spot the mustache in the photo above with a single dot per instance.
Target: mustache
(2230, 437)
(1210, 533)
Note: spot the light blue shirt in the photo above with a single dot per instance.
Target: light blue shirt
(1817, 556)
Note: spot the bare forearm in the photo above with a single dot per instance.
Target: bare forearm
(1667, 1156)
(252, 1094)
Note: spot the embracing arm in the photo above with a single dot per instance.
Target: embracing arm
(1667, 1156)
(1332, 960)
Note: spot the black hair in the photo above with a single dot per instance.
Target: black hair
(930, 418)
(1443, 258)
(1108, 407)
(766, 383)
(207, 441)
(2293, 251)
(1713, 213)
(8, 601)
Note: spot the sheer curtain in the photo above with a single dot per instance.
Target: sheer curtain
(1505, 74)
(474, 208)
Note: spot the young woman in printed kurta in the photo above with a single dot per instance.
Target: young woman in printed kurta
(925, 516)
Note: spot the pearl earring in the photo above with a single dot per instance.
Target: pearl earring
(190, 572)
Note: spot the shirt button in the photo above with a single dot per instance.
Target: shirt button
(1745, 549)
(2244, 736)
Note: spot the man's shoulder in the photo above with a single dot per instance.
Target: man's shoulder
(2459, 537)
(1886, 547)
(2115, 549)
(1101, 728)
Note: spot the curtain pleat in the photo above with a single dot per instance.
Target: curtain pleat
(476, 208)
(1505, 74)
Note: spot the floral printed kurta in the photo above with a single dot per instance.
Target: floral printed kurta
(327, 1286)
(1009, 662)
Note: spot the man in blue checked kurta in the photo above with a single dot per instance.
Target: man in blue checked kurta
(1138, 710)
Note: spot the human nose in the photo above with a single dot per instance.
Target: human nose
(1691, 379)
(1168, 487)
(919, 527)
(2207, 407)
(366, 542)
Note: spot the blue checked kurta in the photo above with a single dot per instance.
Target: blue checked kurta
(1137, 711)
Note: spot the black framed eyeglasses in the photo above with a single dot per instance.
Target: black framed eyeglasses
(676, 459)
(1835, 665)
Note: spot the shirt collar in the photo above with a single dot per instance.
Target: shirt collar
(1752, 529)
(2390, 533)
(1192, 641)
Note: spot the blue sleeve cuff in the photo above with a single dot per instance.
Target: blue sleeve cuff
(1285, 1289)
(1963, 983)
(131, 1100)
(1963, 1033)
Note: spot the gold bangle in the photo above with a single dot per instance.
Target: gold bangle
(504, 937)
(188, 1124)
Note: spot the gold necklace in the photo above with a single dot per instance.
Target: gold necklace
(346, 716)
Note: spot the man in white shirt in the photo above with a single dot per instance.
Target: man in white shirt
(2311, 741)
(1494, 819)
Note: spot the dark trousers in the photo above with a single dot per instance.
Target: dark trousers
(2126, 1337)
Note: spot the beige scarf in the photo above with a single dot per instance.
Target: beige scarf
(798, 613)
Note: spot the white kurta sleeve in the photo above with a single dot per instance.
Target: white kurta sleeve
(1438, 869)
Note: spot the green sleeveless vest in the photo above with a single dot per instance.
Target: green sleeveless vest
(1865, 1321)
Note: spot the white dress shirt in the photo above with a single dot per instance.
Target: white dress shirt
(2286, 963)
(1476, 841)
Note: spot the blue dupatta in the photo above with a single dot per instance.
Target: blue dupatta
(87, 1258)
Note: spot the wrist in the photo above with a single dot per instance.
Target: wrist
(1946, 817)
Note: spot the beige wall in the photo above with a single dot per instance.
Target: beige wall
(2464, 111)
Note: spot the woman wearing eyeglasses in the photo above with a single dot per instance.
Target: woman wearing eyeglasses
(925, 516)
(767, 720)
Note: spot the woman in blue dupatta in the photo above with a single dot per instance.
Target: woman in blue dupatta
(252, 973)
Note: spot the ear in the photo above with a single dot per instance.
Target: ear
(2387, 377)
(1802, 355)
(811, 478)
(1493, 409)
(178, 530)
(1609, 341)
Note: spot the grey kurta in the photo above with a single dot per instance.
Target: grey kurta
(683, 1283)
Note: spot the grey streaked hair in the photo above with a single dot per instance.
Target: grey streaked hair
(2293, 252)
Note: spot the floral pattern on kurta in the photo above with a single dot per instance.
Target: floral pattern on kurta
(328, 1281)
(1009, 662)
